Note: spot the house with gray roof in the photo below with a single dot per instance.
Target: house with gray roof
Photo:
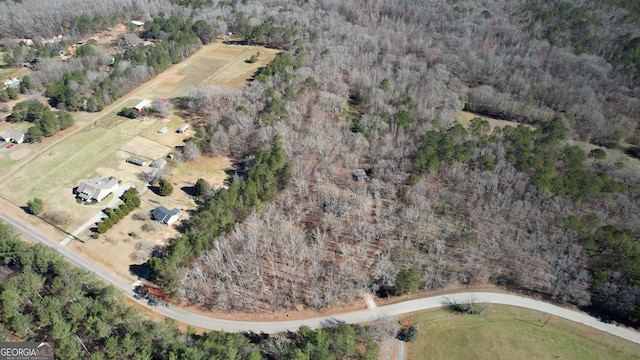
(136, 161)
(165, 215)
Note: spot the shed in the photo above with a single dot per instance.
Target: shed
(183, 128)
(163, 130)
(165, 215)
(136, 161)
(158, 163)
(142, 104)
(137, 23)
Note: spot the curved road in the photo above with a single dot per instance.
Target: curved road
(350, 317)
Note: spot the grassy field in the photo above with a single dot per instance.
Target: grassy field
(99, 143)
(220, 64)
(506, 332)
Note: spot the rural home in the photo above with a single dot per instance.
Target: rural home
(13, 135)
(12, 82)
(136, 161)
(165, 215)
(183, 128)
(142, 105)
(96, 189)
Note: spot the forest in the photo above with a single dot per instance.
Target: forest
(43, 299)
(547, 206)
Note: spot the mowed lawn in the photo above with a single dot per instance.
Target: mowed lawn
(507, 332)
(61, 167)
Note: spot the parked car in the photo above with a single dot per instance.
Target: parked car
(10, 146)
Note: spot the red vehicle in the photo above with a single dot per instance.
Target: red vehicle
(10, 146)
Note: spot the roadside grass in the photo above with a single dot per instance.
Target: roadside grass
(507, 332)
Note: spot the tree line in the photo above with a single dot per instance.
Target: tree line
(46, 121)
(269, 172)
(85, 85)
(43, 299)
(131, 202)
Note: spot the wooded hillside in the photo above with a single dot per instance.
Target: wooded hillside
(43, 299)
(380, 86)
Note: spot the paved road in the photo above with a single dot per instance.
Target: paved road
(350, 317)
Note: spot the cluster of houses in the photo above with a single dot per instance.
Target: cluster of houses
(97, 189)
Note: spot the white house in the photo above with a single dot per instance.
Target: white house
(96, 189)
(13, 135)
(142, 105)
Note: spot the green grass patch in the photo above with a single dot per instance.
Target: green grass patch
(64, 164)
(5, 73)
(210, 169)
(111, 120)
(203, 66)
(506, 332)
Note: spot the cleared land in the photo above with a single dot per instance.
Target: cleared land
(506, 332)
(132, 239)
(465, 118)
(99, 143)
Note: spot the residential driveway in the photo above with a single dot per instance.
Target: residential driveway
(98, 216)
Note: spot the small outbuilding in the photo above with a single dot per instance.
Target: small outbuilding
(165, 215)
(96, 189)
(183, 128)
(142, 104)
(163, 130)
(136, 161)
(158, 163)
